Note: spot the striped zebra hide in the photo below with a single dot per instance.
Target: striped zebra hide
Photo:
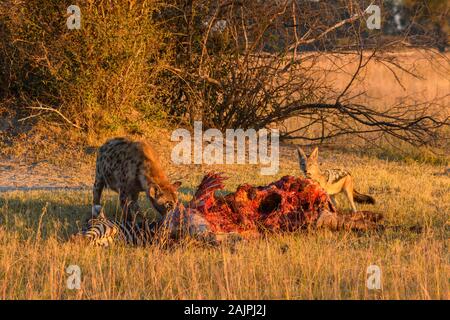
(104, 232)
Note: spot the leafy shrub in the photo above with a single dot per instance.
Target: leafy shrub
(104, 71)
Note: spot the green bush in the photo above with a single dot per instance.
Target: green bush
(104, 71)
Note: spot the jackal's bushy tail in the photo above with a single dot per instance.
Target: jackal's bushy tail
(363, 198)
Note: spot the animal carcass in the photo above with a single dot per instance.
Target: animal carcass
(286, 205)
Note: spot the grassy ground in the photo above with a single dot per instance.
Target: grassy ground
(35, 225)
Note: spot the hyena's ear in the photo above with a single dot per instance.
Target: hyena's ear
(315, 154)
(154, 190)
(176, 184)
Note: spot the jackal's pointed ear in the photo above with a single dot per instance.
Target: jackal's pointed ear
(315, 154)
(302, 158)
(301, 154)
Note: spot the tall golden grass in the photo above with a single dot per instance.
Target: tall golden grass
(35, 226)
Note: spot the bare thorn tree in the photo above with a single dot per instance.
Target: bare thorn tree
(256, 63)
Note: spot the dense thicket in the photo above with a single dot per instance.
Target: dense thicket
(230, 63)
(94, 76)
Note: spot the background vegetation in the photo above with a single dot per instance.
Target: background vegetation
(229, 63)
(98, 77)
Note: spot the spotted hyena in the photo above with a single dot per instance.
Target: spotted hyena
(129, 167)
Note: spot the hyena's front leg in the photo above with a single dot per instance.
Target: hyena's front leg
(99, 185)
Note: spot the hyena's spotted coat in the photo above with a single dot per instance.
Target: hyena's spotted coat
(129, 167)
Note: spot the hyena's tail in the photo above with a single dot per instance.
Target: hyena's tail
(363, 198)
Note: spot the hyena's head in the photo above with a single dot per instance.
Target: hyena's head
(164, 197)
(309, 165)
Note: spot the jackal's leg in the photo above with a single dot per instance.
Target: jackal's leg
(334, 200)
(348, 190)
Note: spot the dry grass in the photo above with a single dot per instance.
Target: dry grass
(312, 265)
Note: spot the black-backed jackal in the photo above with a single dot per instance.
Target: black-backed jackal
(334, 181)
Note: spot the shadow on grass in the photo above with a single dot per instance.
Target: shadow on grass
(60, 213)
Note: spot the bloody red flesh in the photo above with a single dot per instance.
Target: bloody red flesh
(284, 205)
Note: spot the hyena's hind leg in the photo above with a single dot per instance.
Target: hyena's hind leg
(129, 204)
(97, 190)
